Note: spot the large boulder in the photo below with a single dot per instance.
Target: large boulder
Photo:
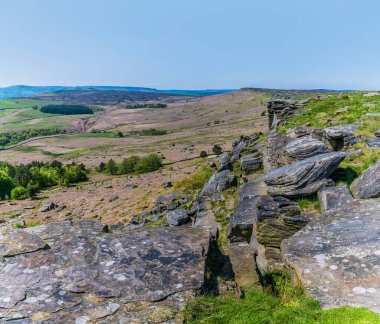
(337, 256)
(368, 184)
(304, 177)
(177, 217)
(337, 137)
(75, 272)
(219, 182)
(303, 148)
(334, 197)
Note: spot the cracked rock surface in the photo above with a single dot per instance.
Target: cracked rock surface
(76, 272)
(337, 257)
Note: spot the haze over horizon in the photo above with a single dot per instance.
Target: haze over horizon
(194, 45)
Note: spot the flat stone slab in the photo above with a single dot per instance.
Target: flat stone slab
(82, 270)
(337, 257)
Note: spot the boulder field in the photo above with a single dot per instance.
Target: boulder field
(246, 222)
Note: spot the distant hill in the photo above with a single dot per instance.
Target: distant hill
(19, 91)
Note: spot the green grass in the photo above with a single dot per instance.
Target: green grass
(9, 104)
(196, 181)
(319, 112)
(261, 307)
(309, 205)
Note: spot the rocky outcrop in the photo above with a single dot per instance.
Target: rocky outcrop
(280, 110)
(76, 272)
(272, 151)
(251, 163)
(303, 178)
(218, 183)
(337, 137)
(337, 257)
(303, 148)
(334, 197)
(368, 184)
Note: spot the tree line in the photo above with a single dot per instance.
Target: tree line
(25, 180)
(132, 165)
(147, 105)
(12, 138)
(67, 109)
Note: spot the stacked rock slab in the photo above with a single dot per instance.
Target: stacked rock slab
(337, 137)
(337, 257)
(305, 177)
(75, 272)
(280, 110)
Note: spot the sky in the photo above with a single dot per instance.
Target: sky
(191, 44)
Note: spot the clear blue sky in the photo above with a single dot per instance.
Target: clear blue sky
(192, 44)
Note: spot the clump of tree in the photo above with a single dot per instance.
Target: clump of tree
(12, 138)
(217, 149)
(67, 109)
(149, 132)
(25, 180)
(147, 105)
(132, 165)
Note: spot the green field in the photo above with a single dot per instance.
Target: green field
(17, 114)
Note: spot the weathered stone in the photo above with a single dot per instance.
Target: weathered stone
(241, 223)
(48, 207)
(18, 242)
(334, 197)
(368, 184)
(337, 137)
(373, 142)
(304, 177)
(84, 267)
(167, 184)
(219, 182)
(371, 94)
(279, 111)
(251, 163)
(177, 217)
(377, 133)
(303, 148)
(225, 161)
(342, 110)
(242, 258)
(253, 189)
(273, 151)
(297, 132)
(113, 198)
(337, 256)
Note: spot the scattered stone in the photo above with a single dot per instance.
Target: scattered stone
(219, 182)
(368, 184)
(305, 177)
(131, 186)
(342, 110)
(334, 197)
(167, 184)
(109, 186)
(369, 105)
(371, 94)
(48, 207)
(29, 207)
(336, 257)
(177, 217)
(113, 198)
